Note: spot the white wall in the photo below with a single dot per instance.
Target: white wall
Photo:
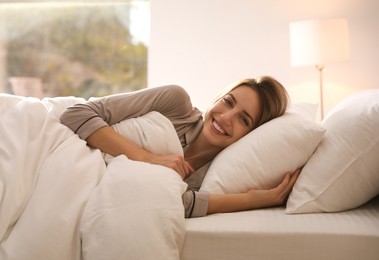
(207, 45)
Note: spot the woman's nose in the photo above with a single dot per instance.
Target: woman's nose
(227, 116)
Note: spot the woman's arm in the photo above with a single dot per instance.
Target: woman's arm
(92, 119)
(253, 199)
(111, 142)
(171, 101)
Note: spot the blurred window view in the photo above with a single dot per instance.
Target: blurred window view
(73, 48)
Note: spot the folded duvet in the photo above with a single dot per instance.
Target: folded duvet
(60, 200)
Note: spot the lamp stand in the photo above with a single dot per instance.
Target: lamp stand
(321, 69)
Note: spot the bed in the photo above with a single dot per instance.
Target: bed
(273, 234)
(60, 199)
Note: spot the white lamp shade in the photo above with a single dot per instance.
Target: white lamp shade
(317, 42)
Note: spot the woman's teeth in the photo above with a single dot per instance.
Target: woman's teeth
(218, 128)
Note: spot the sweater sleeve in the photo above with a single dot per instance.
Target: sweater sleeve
(171, 101)
(195, 203)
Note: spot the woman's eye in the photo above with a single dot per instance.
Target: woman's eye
(244, 120)
(228, 101)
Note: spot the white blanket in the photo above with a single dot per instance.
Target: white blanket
(58, 200)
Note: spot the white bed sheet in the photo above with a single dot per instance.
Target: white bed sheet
(271, 234)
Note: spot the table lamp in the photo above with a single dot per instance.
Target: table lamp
(317, 42)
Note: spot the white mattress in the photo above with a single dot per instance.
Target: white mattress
(271, 234)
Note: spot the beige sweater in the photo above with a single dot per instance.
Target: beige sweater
(171, 101)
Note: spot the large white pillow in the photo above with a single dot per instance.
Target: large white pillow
(343, 173)
(261, 158)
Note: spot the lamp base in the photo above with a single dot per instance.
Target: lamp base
(320, 68)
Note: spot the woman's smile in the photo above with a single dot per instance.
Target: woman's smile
(217, 128)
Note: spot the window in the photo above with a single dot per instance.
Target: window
(73, 48)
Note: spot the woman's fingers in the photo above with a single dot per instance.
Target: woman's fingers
(284, 188)
(294, 177)
(177, 163)
(290, 179)
(276, 196)
(187, 169)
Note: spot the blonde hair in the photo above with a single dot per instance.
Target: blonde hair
(273, 97)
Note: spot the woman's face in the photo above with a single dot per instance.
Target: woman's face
(231, 117)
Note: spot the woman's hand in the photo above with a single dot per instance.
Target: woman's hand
(175, 162)
(276, 196)
(253, 199)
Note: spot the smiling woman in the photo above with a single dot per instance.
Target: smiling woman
(86, 48)
(241, 108)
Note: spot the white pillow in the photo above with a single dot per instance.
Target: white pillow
(343, 173)
(152, 131)
(307, 110)
(261, 158)
(58, 104)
